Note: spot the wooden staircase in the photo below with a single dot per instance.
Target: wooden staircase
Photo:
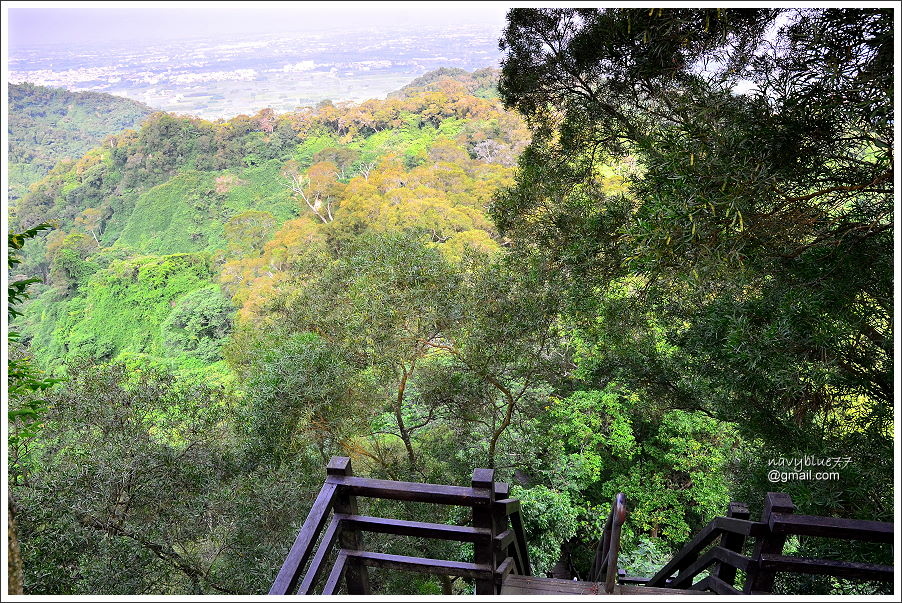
(501, 561)
(718, 549)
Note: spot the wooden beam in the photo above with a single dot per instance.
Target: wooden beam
(500, 553)
(422, 565)
(316, 565)
(687, 555)
(410, 491)
(522, 552)
(339, 465)
(717, 585)
(439, 531)
(733, 525)
(338, 570)
(832, 527)
(601, 551)
(731, 541)
(618, 516)
(504, 539)
(510, 505)
(483, 517)
(721, 587)
(684, 579)
(503, 570)
(839, 569)
(287, 578)
(732, 558)
(507, 541)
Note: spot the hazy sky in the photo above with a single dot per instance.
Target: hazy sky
(40, 23)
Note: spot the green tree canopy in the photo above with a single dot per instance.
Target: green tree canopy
(746, 265)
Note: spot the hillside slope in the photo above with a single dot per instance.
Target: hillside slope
(49, 124)
(244, 198)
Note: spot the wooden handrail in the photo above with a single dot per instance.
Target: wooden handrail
(771, 563)
(500, 550)
(684, 578)
(832, 527)
(689, 553)
(618, 514)
(316, 565)
(744, 527)
(422, 565)
(504, 539)
(717, 585)
(521, 553)
(300, 551)
(410, 491)
(505, 568)
(759, 578)
(840, 569)
(732, 541)
(338, 571)
(511, 505)
(605, 563)
(777, 521)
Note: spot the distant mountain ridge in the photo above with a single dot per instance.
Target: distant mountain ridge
(482, 83)
(49, 124)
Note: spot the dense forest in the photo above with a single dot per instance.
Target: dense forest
(647, 256)
(46, 125)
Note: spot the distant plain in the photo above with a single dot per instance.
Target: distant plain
(214, 79)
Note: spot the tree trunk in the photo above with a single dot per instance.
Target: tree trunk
(399, 418)
(14, 559)
(447, 585)
(511, 402)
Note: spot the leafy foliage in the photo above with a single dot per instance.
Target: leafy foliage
(135, 491)
(198, 325)
(50, 124)
(745, 267)
(122, 308)
(24, 382)
(550, 518)
(644, 559)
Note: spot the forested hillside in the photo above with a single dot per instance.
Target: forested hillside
(46, 125)
(634, 278)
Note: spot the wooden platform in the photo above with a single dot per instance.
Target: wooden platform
(530, 585)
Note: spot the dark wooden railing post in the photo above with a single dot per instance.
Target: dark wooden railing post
(760, 580)
(601, 551)
(356, 575)
(732, 542)
(499, 520)
(618, 517)
(483, 479)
